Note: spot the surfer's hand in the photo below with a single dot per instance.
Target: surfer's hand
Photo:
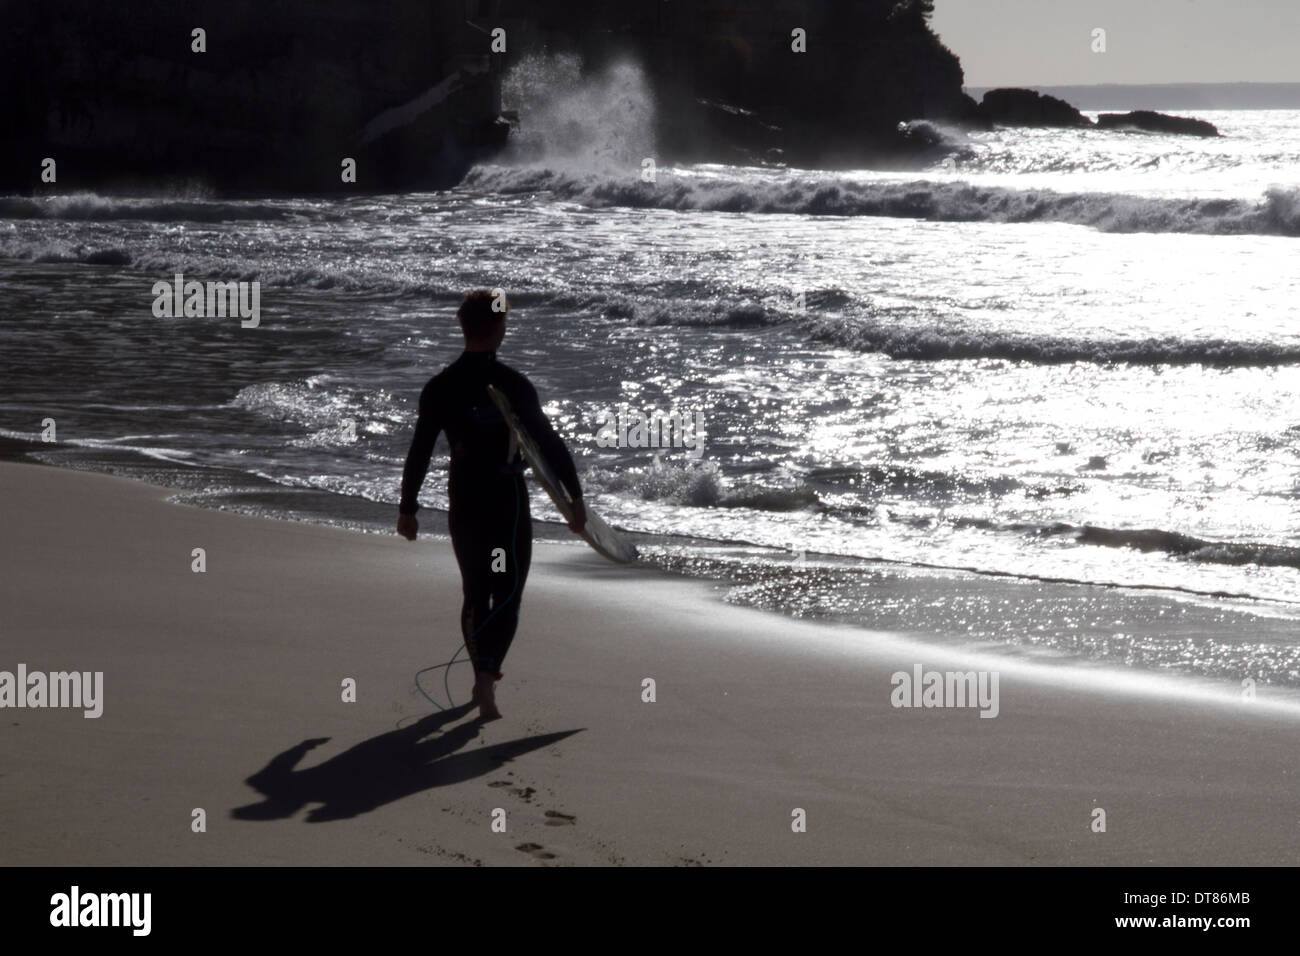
(579, 516)
(407, 526)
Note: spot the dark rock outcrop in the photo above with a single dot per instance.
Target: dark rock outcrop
(283, 94)
(970, 115)
(1014, 107)
(411, 88)
(1157, 123)
(729, 87)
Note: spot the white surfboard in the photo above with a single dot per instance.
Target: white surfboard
(596, 532)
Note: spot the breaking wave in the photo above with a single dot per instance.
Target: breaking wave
(1185, 546)
(933, 344)
(812, 194)
(95, 208)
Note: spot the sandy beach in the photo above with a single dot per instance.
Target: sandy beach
(214, 678)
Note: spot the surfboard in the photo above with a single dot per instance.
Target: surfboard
(596, 533)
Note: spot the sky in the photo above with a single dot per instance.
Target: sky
(1049, 42)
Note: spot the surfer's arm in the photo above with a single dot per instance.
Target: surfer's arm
(427, 427)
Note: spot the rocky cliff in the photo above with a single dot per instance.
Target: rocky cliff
(734, 82)
(283, 91)
(273, 96)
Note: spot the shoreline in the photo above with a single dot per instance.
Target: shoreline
(883, 583)
(222, 692)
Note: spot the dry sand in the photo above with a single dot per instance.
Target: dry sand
(213, 678)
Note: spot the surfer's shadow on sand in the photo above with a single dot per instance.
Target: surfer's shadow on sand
(385, 768)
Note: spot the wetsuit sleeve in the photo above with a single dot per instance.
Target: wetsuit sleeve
(550, 444)
(427, 427)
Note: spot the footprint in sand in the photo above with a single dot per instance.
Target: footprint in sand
(554, 818)
(523, 793)
(537, 850)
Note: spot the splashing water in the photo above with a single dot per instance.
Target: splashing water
(598, 122)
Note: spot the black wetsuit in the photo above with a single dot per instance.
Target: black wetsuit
(486, 491)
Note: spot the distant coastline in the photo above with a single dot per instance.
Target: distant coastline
(1169, 96)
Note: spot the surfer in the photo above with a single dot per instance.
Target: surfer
(488, 514)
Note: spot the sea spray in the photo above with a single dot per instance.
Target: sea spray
(581, 123)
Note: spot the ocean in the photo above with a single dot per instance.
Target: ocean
(1053, 355)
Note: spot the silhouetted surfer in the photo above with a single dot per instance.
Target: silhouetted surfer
(488, 515)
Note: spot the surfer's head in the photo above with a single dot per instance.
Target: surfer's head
(483, 319)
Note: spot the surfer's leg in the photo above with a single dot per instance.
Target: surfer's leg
(509, 594)
(473, 556)
(514, 536)
(473, 559)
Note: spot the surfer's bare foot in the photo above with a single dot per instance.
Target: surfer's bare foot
(484, 694)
